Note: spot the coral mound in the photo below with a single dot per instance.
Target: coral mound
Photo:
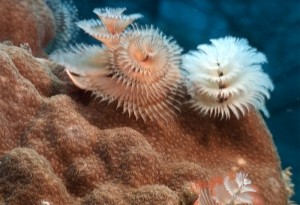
(27, 21)
(78, 151)
(23, 170)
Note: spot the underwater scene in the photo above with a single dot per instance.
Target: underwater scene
(155, 102)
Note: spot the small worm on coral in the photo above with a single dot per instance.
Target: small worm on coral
(234, 188)
(107, 30)
(65, 15)
(226, 78)
(138, 67)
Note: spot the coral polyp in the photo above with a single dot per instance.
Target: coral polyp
(226, 78)
(138, 67)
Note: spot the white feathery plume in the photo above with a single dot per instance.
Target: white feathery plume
(233, 189)
(226, 78)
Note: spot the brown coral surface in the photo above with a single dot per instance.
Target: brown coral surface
(27, 21)
(60, 146)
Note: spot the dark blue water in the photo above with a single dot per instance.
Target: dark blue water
(273, 27)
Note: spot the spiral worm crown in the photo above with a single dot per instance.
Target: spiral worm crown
(226, 78)
(137, 67)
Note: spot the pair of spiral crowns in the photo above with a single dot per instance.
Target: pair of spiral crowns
(140, 68)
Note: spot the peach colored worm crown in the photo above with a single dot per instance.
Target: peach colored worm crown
(137, 67)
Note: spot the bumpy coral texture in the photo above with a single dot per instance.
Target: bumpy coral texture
(27, 21)
(27, 168)
(75, 150)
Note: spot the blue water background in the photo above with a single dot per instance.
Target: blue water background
(272, 26)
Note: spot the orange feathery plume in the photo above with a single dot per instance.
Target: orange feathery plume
(137, 67)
